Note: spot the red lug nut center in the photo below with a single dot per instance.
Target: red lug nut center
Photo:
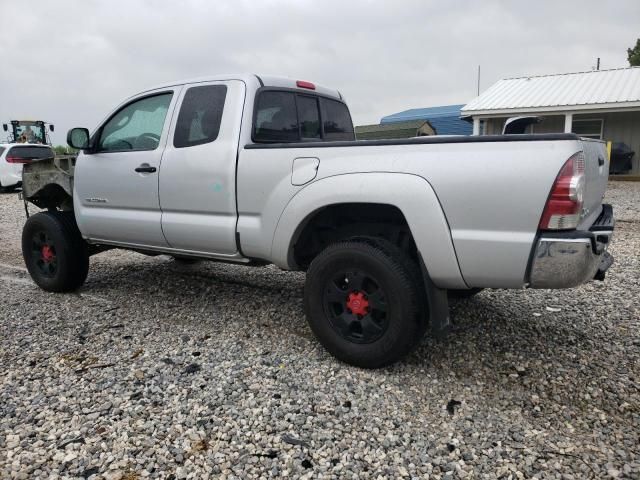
(357, 303)
(47, 253)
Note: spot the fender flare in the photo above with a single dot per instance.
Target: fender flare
(411, 194)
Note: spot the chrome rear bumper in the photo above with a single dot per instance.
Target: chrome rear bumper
(568, 259)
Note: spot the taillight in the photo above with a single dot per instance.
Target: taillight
(563, 209)
(18, 160)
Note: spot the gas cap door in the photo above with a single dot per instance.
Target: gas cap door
(304, 170)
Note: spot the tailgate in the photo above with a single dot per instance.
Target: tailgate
(596, 168)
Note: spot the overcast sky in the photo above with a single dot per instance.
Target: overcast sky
(70, 62)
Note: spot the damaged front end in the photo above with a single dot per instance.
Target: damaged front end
(48, 183)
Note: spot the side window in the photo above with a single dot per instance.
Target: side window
(336, 120)
(309, 117)
(137, 126)
(2, 149)
(200, 116)
(276, 119)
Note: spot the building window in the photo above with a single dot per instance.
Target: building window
(589, 128)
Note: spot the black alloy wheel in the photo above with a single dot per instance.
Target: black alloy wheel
(356, 306)
(54, 252)
(43, 252)
(363, 302)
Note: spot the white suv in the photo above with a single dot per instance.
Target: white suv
(13, 156)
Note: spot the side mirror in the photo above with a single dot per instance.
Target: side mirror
(5, 127)
(78, 138)
(51, 127)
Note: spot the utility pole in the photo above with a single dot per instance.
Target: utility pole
(598, 64)
(479, 79)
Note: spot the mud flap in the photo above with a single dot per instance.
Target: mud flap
(605, 262)
(438, 300)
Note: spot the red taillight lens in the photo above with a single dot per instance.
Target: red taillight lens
(304, 84)
(563, 209)
(17, 160)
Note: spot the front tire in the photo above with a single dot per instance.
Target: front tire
(54, 252)
(363, 303)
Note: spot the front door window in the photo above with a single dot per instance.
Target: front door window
(137, 126)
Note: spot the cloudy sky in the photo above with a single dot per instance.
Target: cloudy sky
(70, 62)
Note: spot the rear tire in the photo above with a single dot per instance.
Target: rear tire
(54, 252)
(363, 302)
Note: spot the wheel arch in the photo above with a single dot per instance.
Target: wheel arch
(340, 221)
(410, 195)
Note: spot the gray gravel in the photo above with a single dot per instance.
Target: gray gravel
(209, 371)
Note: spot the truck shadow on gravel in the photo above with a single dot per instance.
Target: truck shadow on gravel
(496, 340)
(491, 326)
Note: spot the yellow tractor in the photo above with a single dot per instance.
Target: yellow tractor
(28, 131)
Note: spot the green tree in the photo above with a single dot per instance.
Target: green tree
(633, 54)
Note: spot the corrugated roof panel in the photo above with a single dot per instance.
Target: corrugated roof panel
(445, 119)
(571, 89)
(423, 113)
(411, 124)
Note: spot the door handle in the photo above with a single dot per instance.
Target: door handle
(600, 161)
(145, 168)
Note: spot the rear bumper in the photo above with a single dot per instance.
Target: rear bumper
(568, 259)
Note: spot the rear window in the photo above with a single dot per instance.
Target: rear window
(30, 152)
(337, 120)
(276, 118)
(286, 117)
(309, 117)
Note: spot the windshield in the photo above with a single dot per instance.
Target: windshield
(29, 132)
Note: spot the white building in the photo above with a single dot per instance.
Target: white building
(602, 104)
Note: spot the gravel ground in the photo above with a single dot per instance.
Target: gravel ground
(209, 371)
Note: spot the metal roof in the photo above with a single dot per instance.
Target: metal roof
(411, 124)
(616, 88)
(445, 119)
(423, 113)
(412, 128)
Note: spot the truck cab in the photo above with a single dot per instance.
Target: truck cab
(166, 158)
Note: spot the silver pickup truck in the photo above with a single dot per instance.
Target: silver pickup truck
(255, 170)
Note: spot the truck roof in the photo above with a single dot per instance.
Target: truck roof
(256, 80)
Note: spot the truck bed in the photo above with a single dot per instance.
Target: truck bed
(492, 190)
